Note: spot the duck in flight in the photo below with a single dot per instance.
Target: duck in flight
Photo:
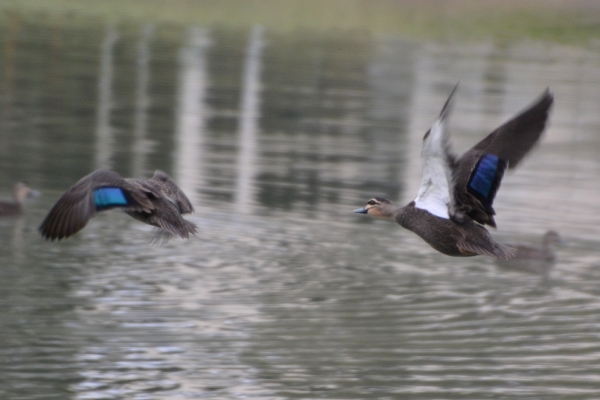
(156, 201)
(455, 198)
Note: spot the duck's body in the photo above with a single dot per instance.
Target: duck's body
(156, 201)
(448, 237)
(533, 258)
(17, 207)
(456, 195)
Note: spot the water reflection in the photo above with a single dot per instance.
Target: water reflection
(104, 134)
(285, 293)
(191, 113)
(141, 145)
(248, 124)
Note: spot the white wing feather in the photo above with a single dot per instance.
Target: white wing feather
(434, 194)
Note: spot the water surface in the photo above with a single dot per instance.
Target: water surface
(285, 293)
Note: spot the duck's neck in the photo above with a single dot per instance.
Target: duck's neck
(401, 215)
(388, 210)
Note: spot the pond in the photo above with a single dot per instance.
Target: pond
(285, 293)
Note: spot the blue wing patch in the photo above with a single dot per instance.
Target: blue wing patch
(485, 178)
(106, 197)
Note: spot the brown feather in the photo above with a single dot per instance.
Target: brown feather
(510, 142)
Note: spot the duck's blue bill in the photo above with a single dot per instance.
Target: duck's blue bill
(361, 210)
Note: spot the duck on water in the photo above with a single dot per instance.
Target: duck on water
(15, 208)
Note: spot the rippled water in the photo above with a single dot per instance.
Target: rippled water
(285, 293)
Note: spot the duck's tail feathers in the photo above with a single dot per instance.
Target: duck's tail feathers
(181, 227)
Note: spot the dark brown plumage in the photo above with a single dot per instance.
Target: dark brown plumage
(456, 195)
(451, 238)
(156, 201)
(510, 142)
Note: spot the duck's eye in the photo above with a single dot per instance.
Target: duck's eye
(371, 203)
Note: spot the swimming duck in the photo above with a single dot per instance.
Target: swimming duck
(21, 191)
(455, 198)
(157, 201)
(535, 259)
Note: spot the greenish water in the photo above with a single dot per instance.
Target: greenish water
(285, 293)
(564, 21)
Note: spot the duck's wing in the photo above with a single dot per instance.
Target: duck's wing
(437, 162)
(478, 173)
(170, 189)
(101, 190)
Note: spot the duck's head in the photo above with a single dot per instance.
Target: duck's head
(378, 207)
(23, 191)
(552, 238)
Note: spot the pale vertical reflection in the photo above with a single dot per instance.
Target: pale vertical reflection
(104, 138)
(191, 112)
(141, 145)
(248, 124)
(437, 70)
(420, 118)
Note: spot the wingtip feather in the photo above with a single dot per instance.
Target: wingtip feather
(448, 105)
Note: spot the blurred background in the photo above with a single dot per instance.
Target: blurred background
(278, 118)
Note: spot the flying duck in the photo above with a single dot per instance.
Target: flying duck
(156, 201)
(455, 198)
